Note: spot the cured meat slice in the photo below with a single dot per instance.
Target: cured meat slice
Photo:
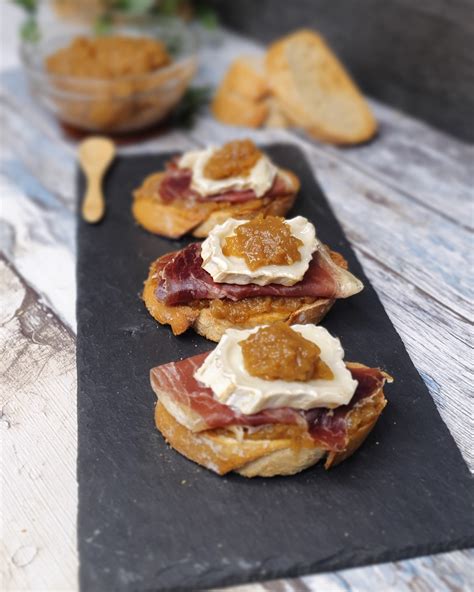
(176, 184)
(177, 380)
(183, 280)
(329, 427)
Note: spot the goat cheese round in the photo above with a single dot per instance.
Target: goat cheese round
(223, 371)
(234, 270)
(260, 177)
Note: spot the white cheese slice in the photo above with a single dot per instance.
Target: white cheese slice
(223, 371)
(260, 178)
(234, 270)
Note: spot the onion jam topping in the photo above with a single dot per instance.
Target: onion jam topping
(277, 352)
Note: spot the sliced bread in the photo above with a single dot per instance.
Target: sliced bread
(315, 90)
(247, 77)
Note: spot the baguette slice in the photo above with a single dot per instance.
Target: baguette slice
(315, 90)
(264, 452)
(173, 220)
(232, 108)
(240, 98)
(203, 321)
(247, 77)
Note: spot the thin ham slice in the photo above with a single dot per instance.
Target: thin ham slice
(183, 280)
(329, 427)
(177, 380)
(176, 184)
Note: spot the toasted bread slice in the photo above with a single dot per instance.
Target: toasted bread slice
(240, 98)
(175, 219)
(276, 116)
(212, 323)
(232, 108)
(264, 452)
(315, 90)
(247, 77)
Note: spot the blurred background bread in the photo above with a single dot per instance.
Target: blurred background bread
(298, 82)
(240, 98)
(314, 88)
(247, 77)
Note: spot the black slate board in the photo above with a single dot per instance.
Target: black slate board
(151, 520)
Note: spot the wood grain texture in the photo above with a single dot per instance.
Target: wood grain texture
(38, 424)
(417, 56)
(37, 233)
(410, 163)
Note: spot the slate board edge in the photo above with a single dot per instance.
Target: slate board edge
(214, 580)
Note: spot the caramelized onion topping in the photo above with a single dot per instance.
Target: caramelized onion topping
(240, 311)
(234, 159)
(263, 241)
(110, 57)
(278, 352)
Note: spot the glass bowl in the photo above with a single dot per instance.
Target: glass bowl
(118, 105)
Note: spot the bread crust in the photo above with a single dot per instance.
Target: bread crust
(342, 115)
(172, 221)
(266, 452)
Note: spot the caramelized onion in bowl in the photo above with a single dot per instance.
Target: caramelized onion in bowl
(122, 82)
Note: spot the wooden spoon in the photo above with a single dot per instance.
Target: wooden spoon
(95, 155)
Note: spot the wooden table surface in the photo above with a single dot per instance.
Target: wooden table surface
(406, 204)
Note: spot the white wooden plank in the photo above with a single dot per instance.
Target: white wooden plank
(38, 233)
(49, 161)
(429, 166)
(438, 341)
(38, 425)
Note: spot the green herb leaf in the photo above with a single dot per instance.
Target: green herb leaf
(135, 6)
(28, 5)
(103, 25)
(173, 45)
(193, 101)
(169, 7)
(207, 17)
(29, 30)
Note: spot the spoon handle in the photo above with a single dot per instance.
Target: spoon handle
(93, 206)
